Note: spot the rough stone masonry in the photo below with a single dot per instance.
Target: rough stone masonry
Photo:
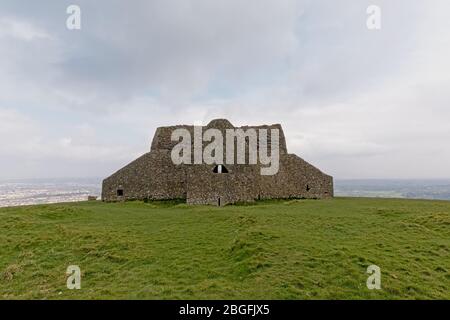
(154, 176)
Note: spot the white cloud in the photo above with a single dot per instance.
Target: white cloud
(21, 30)
(28, 150)
(356, 103)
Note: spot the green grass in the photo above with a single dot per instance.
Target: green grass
(297, 249)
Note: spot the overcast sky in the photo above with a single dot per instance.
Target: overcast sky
(357, 103)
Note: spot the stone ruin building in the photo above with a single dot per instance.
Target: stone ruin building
(154, 176)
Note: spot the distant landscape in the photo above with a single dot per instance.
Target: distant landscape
(42, 191)
(410, 189)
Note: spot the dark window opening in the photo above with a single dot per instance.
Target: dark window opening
(220, 168)
(119, 192)
(307, 187)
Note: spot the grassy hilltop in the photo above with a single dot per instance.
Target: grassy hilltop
(297, 249)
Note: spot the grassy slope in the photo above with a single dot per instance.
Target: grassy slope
(279, 250)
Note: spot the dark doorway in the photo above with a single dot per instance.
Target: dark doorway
(220, 168)
(307, 187)
(218, 202)
(120, 192)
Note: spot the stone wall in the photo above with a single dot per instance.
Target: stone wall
(241, 183)
(296, 179)
(153, 176)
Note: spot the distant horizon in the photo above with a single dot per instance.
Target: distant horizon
(5, 180)
(48, 190)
